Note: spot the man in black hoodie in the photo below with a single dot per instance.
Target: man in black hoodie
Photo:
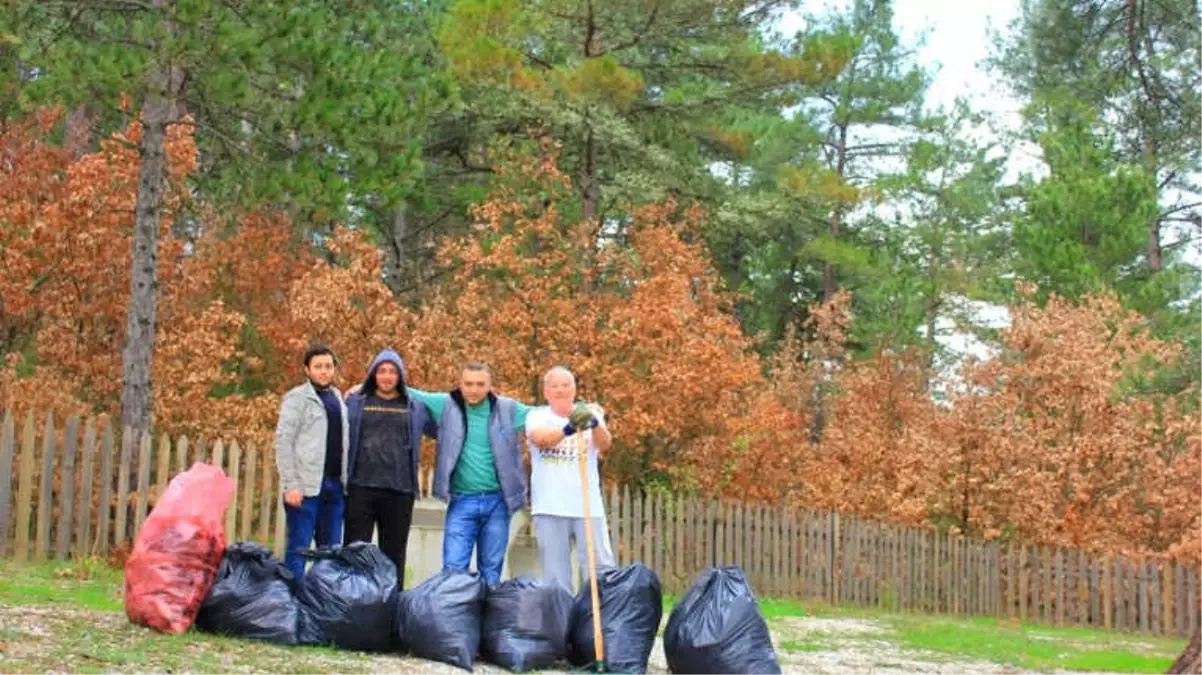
(386, 427)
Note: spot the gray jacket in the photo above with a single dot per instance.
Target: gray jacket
(300, 439)
(502, 435)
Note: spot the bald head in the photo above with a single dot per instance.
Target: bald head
(559, 388)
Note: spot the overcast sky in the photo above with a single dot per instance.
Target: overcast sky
(954, 36)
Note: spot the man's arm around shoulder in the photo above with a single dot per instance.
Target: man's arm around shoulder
(435, 402)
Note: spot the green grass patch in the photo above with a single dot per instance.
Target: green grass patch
(771, 608)
(1037, 647)
(804, 646)
(87, 584)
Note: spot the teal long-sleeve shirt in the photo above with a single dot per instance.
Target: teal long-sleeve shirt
(476, 471)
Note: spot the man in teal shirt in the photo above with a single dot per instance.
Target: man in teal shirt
(478, 469)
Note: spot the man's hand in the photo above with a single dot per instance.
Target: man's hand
(294, 498)
(582, 417)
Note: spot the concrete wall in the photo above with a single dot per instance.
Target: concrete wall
(424, 556)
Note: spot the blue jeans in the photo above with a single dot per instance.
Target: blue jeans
(319, 516)
(480, 522)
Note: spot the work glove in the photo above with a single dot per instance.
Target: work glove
(582, 417)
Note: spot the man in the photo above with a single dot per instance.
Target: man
(556, 493)
(386, 427)
(478, 469)
(310, 454)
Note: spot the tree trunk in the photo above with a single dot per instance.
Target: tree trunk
(590, 193)
(817, 411)
(817, 397)
(590, 184)
(736, 272)
(828, 270)
(1190, 660)
(932, 312)
(143, 277)
(1154, 257)
(394, 250)
(79, 131)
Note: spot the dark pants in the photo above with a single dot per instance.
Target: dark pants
(317, 517)
(391, 511)
(479, 522)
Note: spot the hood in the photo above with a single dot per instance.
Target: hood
(386, 356)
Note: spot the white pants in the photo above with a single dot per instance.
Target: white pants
(555, 534)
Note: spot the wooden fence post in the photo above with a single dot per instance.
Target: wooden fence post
(8, 441)
(66, 524)
(46, 490)
(145, 448)
(83, 527)
(25, 487)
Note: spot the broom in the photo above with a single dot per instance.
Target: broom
(598, 639)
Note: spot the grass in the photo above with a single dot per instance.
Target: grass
(805, 646)
(1029, 646)
(1038, 647)
(69, 617)
(84, 585)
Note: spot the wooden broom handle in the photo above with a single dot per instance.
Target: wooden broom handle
(598, 640)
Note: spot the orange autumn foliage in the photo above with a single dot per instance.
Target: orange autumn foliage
(66, 251)
(66, 247)
(645, 330)
(1047, 442)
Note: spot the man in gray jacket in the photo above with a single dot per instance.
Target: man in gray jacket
(311, 442)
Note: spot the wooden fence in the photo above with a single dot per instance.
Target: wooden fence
(78, 491)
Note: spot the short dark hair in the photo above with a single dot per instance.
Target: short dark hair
(319, 349)
(476, 366)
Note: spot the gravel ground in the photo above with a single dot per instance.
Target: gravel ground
(56, 639)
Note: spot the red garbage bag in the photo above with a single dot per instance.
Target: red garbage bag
(178, 550)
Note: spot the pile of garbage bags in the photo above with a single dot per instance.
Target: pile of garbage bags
(716, 627)
(632, 604)
(348, 598)
(525, 624)
(251, 598)
(177, 551)
(181, 574)
(440, 619)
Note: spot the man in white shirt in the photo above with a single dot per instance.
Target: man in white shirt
(557, 503)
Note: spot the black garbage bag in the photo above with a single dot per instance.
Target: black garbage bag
(631, 608)
(251, 597)
(716, 627)
(526, 624)
(348, 598)
(440, 619)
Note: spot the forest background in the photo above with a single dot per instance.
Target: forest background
(751, 246)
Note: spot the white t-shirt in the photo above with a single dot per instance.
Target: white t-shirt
(555, 472)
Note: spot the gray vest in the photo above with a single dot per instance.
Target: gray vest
(502, 436)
